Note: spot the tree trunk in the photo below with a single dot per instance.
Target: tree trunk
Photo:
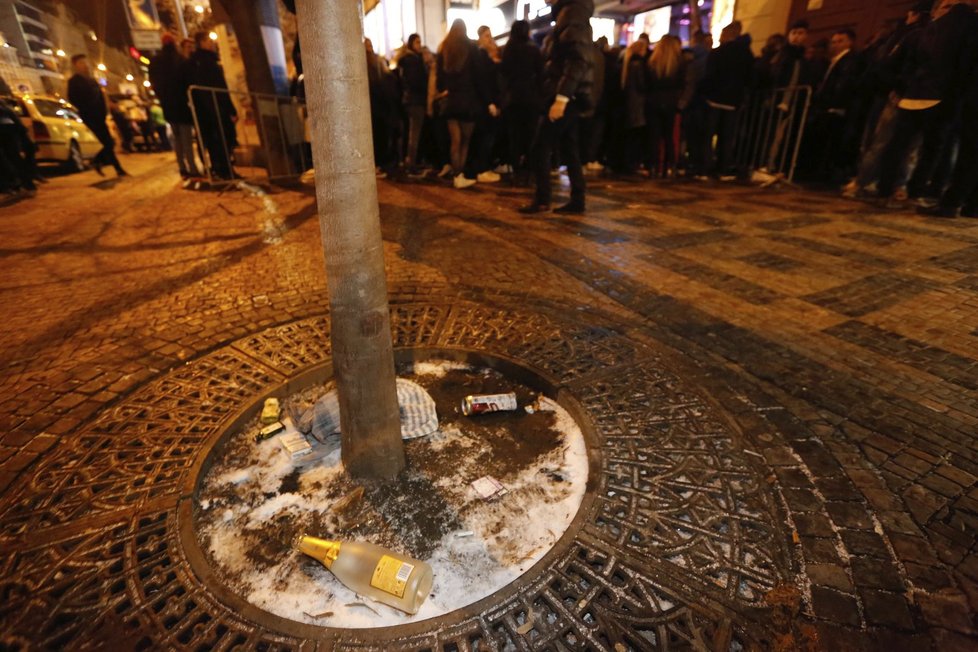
(346, 190)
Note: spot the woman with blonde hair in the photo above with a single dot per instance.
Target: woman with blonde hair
(665, 80)
(455, 93)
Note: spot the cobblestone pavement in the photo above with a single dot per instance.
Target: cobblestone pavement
(785, 379)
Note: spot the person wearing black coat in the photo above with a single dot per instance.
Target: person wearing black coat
(522, 74)
(834, 127)
(938, 61)
(86, 94)
(215, 112)
(567, 90)
(729, 71)
(413, 75)
(167, 74)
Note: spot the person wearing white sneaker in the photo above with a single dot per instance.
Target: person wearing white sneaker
(455, 87)
(461, 182)
(488, 177)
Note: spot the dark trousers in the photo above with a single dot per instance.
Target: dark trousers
(662, 139)
(908, 126)
(521, 123)
(551, 135)
(694, 126)
(963, 190)
(722, 124)
(106, 155)
(483, 141)
(218, 156)
(17, 163)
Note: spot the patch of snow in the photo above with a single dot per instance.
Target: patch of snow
(496, 542)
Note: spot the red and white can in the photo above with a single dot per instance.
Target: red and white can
(482, 403)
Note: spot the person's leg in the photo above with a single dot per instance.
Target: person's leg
(570, 136)
(726, 140)
(455, 136)
(542, 155)
(906, 127)
(107, 154)
(180, 147)
(415, 124)
(871, 162)
(466, 128)
(964, 181)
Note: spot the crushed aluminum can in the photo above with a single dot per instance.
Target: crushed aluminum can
(269, 431)
(482, 403)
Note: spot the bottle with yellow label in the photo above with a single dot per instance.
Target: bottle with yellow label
(384, 575)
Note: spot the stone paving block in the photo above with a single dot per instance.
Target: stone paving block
(886, 609)
(835, 606)
(875, 573)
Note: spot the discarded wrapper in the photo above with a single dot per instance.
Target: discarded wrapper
(270, 431)
(539, 405)
(489, 487)
(270, 411)
(295, 445)
(482, 403)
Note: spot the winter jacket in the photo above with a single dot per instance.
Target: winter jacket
(729, 70)
(522, 73)
(939, 57)
(468, 90)
(86, 95)
(414, 79)
(665, 92)
(203, 69)
(568, 68)
(167, 73)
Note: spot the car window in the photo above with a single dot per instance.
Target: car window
(15, 105)
(50, 108)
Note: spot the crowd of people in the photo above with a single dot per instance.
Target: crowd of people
(893, 119)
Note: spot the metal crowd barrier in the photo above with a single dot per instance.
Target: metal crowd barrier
(267, 141)
(770, 130)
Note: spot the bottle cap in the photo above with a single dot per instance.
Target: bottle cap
(319, 549)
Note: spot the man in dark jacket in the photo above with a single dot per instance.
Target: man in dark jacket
(86, 94)
(729, 70)
(167, 74)
(833, 135)
(567, 89)
(413, 75)
(216, 114)
(938, 61)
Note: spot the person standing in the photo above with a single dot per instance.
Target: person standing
(729, 70)
(414, 96)
(459, 96)
(666, 79)
(566, 87)
(522, 72)
(168, 75)
(86, 94)
(216, 114)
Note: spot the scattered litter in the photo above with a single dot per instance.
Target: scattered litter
(463, 534)
(528, 625)
(325, 614)
(295, 445)
(270, 412)
(483, 403)
(489, 487)
(348, 501)
(419, 416)
(361, 604)
(753, 453)
(794, 537)
(269, 431)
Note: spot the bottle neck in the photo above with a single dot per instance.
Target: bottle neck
(320, 549)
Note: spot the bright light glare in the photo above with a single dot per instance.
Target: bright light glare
(147, 84)
(603, 27)
(60, 53)
(213, 36)
(101, 67)
(129, 77)
(472, 18)
(199, 9)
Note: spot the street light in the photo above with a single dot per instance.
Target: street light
(199, 9)
(129, 77)
(61, 53)
(101, 67)
(213, 36)
(147, 84)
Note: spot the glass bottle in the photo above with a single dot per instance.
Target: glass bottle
(378, 573)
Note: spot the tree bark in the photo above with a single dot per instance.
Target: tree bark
(346, 190)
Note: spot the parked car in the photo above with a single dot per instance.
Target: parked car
(60, 135)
